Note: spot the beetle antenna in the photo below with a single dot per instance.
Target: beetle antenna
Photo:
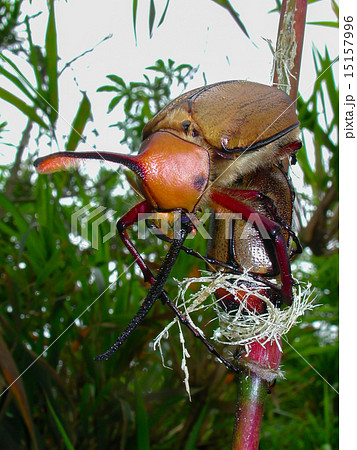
(156, 289)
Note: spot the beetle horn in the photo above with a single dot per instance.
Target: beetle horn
(71, 160)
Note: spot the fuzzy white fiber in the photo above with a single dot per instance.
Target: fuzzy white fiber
(241, 327)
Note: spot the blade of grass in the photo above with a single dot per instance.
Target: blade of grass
(195, 433)
(152, 13)
(79, 122)
(164, 13)
(62, 431)
(33, 58)
(51, 63)
(11, 373)
(226, 5)
(135, 10)
(142, 427)
(26, 109)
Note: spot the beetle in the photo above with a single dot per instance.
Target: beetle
(204, 149)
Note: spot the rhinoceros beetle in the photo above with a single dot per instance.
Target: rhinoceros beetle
(219, 146)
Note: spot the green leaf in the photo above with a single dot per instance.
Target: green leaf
(60, 427)
(26, 109)
(164, 13)
(79, 122)
(135, 10)
(15, 382)
(22, 80)
(50, 267)
(324, 24)
(116, 79)
(142, 427)
(51, 63)
(25, 234)
(152, 14)
(19, 220)
(7, 230)
(191, 443)
(107, 89)
(17, 82)
(335, 8)
(226, 5)
(113, 103)
(34, 59)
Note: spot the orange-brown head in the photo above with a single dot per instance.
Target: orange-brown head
(174, 173)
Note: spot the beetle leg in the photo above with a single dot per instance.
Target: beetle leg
(211, 262)
(125, 222)
(274, 231)
(253, 195)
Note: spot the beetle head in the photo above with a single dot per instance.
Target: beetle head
(173, 173)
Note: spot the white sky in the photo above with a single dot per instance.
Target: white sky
(196, 32)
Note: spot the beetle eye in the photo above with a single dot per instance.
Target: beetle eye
(186, 125)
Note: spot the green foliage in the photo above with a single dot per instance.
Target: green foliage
(227, 5)
(9, 20)
(79, 122)
(2, 128)
(143, 99)
(40, 103)
(319, 115)
(152, 14)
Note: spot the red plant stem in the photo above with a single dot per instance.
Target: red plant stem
(258, 370)
(252, 391)
(289, 46)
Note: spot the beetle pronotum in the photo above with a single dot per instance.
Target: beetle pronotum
(219, 146)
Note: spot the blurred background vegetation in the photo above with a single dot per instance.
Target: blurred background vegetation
(50, 280)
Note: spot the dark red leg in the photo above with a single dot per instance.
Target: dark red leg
(127, 221)
(252, 195)
(274, 231)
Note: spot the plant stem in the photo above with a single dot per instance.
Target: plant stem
(258, 369)
(289, 46)
(252, 392)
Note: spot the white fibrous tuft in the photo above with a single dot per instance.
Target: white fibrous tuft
(241, 327)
